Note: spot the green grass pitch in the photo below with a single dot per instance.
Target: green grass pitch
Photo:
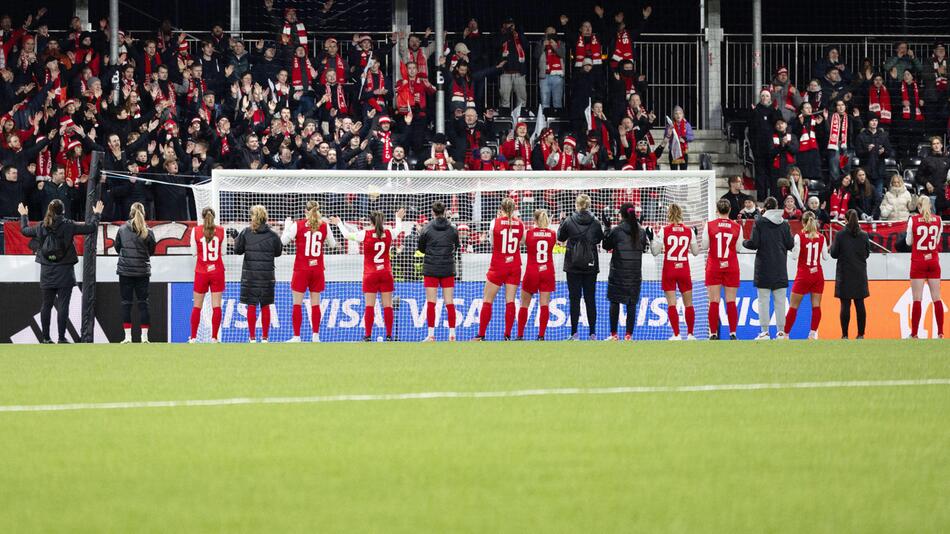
(855, 459)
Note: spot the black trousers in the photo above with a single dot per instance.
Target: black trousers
(763, 178)
(134, 287)
(59, 298)
(845, 316)
(615, 318)
(578, 285)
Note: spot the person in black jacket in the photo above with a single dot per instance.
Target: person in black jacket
(771, 239)
(581, 232)
(627, 241)
(57, 277)
(932, 174)
(761, 126)
(260, 246)
(439, 241)
(135, 244)
(851, 247)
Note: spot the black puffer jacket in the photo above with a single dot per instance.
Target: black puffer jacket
(580, 225)
(259, 249)
(439, 241)
(134, 252)
(771, 239)
(851, 276)
(626, 273)
(54, 275)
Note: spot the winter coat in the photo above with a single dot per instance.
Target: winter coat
(771, 239)
(851, 274)
(134, 252)
(259, 249)
(897, 204)
(781, 95)
(580, 225)
(873, 162)
(933, 170)
(439, 241)
(761, 126)
(626, 274)
(55, 275)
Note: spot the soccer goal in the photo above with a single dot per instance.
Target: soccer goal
(472, 199)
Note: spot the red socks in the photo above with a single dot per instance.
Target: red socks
(484, 318)
(674, 319)
(265, 321)
(815, 318)
(690, 313)
(543, 319)
(297, 318)
(915, 318)
(790, 319)
(195, 321)
(522, 320)
(732, 313)
(938, 315)
(509, 318)
(315, 318)
(252, 322)
(450, 311)
(430, 314)
(369, 317)
(388, 320)
(714, 318)
(215, 321)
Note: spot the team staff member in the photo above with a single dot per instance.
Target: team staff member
(582, 232)
(627, 241)
(207, 245)
(260, 246)
(439, 241)
(771, 240)
(56, 256)
(135, 244)
(851, 247)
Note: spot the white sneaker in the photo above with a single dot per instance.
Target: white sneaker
(126, 340)
(690, 337)
(780, 336)
(763, 336)
(813, 335)
(145, 339)
(214, 340)
(265, 341)
(252, 341)
(295, 339)
(675, 338)
(192, 340)
(428, 339)
(315, 338)
(612, 338)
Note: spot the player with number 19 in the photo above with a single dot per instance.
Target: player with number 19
(674, 242)
(311, 235)
(207, 245)
(507, 233)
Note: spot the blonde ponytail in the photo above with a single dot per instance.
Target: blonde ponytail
(508, 206)
(207, 215)
(810, 224)
(541, 219)
(258, 217)
(923, 207)
(314, 219)
(137, 220)
(675, 214)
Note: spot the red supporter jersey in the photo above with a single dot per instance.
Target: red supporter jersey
(723, 235)
(809, 256)
(310, 246)
(210, 253)
(506, 243)
(926, 239)
(376, 252)
(540, 245)
(676, 241)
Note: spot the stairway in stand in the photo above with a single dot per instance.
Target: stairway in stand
(712, 142)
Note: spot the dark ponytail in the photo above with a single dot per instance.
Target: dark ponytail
(852, 225)
(54, 208)
(628, 214)
(376, 217)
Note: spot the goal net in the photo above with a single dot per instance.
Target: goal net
(472, 199)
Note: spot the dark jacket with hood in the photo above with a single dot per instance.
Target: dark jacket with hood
(439, 241)
(580, 225)
(58, 274)
(626, 262)
(134, 252)
(259, 249)
(851, 273)
(771, 239)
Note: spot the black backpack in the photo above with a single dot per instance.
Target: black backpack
(53, 247)
(582, 255)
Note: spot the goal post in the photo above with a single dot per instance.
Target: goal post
(472, 199)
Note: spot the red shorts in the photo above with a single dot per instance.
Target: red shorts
(803, 285)
(507, 275)
(535, 281)
(305, 279)
(722, 278)
(378, 282)
(435, 281)
(677, 280)
(925, 269)
(213, 281)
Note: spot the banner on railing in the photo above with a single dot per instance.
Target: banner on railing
(172, 238)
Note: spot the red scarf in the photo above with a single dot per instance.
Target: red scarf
(838, 139)
(645, 162)
(838, 204)
(441, 163)
(598, 126)
(71, 167)
(777, 142)
(167, 95)
(136, 111)
(337, 66)
(340, 99)
(808, 141)
(225, 146)
(419, 58)
(629, 86)
(93, 64)
(464, 92)
(364, 58)
(44, 163)
(374, 82)
(680, 127)
(57, 85)
(565, 162)
(196, 90)
(300, 74)
(583, 51)
(940, 83)
(789, 102)
(552, 62)
(301, 33)
(386, 139)
(879, 103)
(518, 49)
(513, 148)
(149, 67)
(918, 115)
(623, 49)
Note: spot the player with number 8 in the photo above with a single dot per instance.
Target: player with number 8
(507, 233)
(311, 235)
(538, 274)
(675, 241)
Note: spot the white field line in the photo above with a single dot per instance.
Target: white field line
(471, 395)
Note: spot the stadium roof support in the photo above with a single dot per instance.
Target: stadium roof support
(235, 15)
(756, 49)
(438, 14)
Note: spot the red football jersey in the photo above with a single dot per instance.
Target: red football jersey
(506, 243)
(210, 253)
(809, 256)
(676, 244)
(723, 234)
(310, 246)
(925, 239)
(376, 251)
(540, 245)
